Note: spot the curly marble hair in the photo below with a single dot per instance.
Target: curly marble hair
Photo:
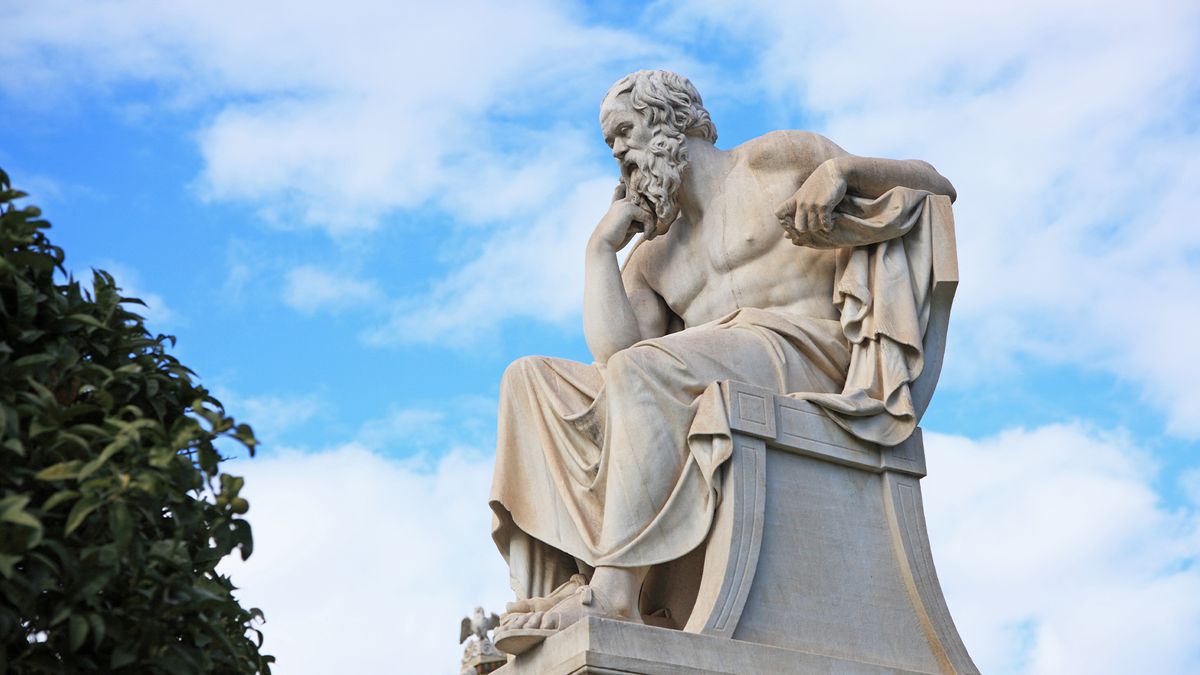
(669, 100)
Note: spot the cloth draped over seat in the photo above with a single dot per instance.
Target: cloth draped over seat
(883, 288)
(619, 465)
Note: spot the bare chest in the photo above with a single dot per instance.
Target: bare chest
(735, 256)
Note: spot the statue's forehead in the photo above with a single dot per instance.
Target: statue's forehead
(614, 110)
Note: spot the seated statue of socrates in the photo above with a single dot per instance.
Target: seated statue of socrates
(782, 263)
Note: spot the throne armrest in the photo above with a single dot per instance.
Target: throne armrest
(802, 428)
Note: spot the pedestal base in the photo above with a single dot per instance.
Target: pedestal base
(602, 646)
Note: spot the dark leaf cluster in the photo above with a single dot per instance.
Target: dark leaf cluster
(114, 511)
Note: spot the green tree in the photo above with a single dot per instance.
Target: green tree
(113, 509)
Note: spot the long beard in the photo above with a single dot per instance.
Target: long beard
(653, 181)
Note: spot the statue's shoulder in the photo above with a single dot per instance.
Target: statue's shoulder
(787, 150)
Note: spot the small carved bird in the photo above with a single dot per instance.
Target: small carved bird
(478, 624)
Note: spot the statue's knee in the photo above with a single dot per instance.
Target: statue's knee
(519, 372)
(628, 365)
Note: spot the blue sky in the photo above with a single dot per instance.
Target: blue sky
(353, 218)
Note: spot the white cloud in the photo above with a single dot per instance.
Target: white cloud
(310, 289)
(271, 415)
(1058, 555)
(364, 564)
(532, 271)
(468, 421)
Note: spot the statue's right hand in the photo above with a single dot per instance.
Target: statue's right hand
(624, 220)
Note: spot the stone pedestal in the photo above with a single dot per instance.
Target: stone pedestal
(602, 646)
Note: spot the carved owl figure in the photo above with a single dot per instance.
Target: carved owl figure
(478, 624)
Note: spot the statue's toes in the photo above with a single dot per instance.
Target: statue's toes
(551, 621)
(532, 620)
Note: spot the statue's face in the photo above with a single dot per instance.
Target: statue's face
(649, 159)
(624, 129)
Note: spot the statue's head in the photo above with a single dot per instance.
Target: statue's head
(646, 118)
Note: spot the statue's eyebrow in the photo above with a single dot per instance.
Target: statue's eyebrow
(619, 128)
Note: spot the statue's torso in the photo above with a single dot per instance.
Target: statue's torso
(736, 255)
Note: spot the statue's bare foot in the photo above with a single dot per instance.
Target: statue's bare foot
(526, 630)
(543, 603)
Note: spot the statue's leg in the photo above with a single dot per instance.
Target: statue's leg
(657, 482)
(653, 491)
(542, 460)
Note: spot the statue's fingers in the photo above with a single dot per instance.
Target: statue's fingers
(786, 211)
(789, 229)
(801, 221)
(827, 220)
(814, 219)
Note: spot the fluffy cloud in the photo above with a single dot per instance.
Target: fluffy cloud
(364, 564)
(531, 272)
(1058, 555)
(310, 289)
(272, 415)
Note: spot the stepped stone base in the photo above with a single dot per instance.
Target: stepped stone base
(605, 647)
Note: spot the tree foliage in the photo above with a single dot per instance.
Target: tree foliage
(113, 509)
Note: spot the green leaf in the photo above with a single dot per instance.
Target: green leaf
(33, 360)
(78, 630)
(97, 623)
(109, 450)
(11, 506)
(86, 319)
(121, 523)
(242, 537)
(12, 510)
(58, 498)
(82, 508)
(123, 655)
(60, 471)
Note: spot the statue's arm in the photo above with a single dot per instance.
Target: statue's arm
(812, 206)
(617, 312)
(870, 177)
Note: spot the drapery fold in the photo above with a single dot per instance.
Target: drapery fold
(883, 288)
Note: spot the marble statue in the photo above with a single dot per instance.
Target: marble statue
(784, 263)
